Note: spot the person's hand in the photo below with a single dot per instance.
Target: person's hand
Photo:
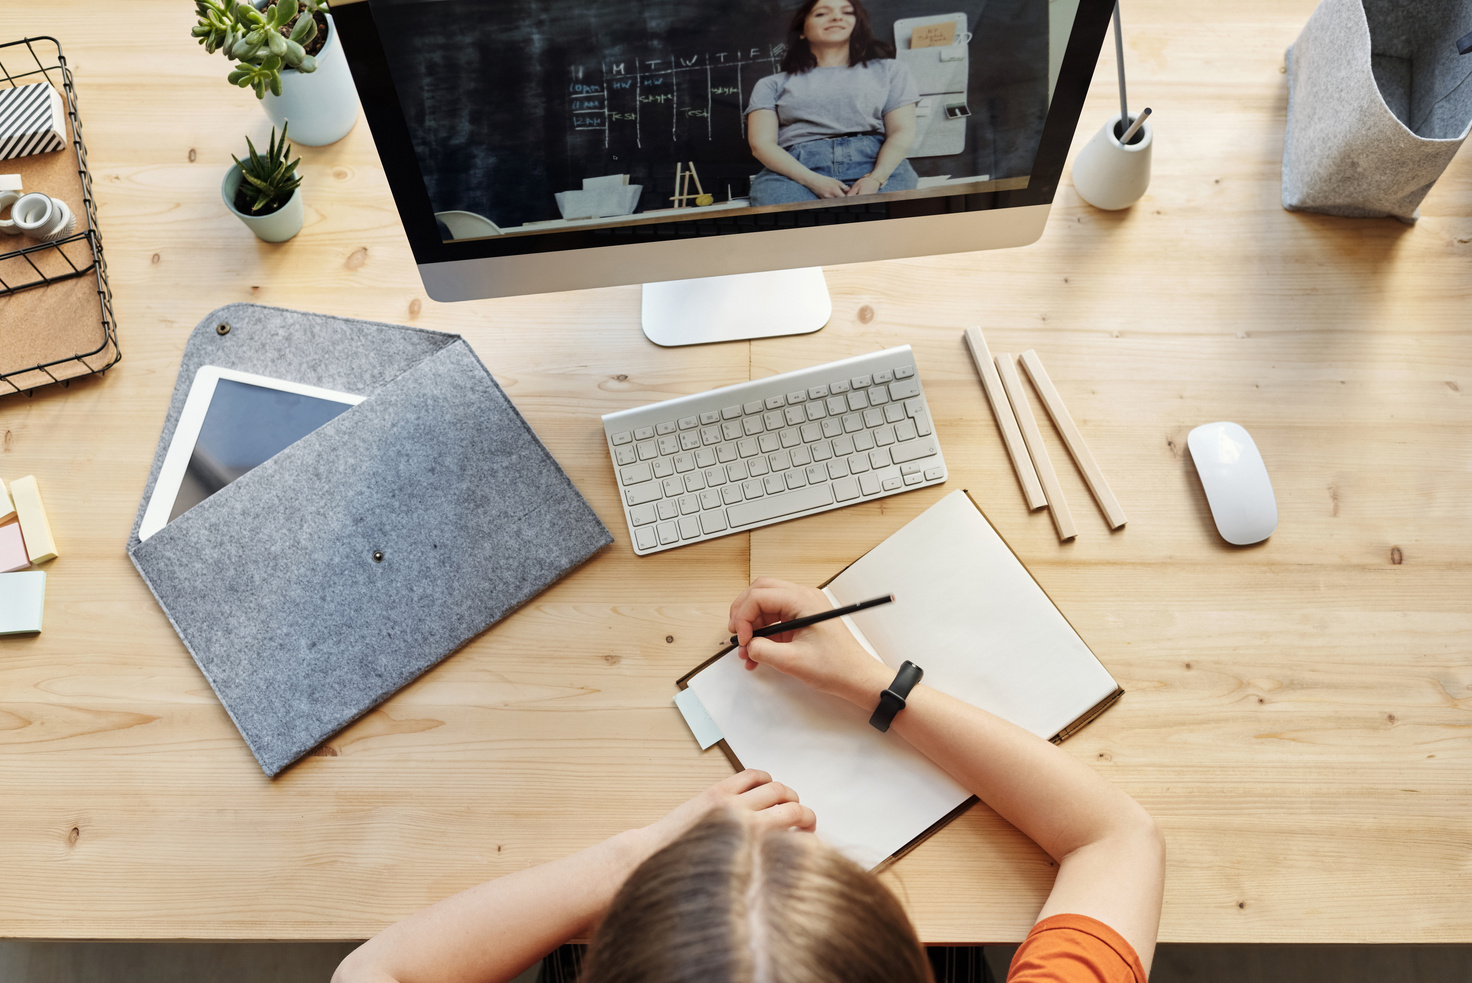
(751, 794)
(826, 187)
(826, 656)
(866, 185)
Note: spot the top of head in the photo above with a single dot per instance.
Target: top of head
(564, 145)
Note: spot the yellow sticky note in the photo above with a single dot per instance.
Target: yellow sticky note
(934, 35)
(6, 508)
(40, 544)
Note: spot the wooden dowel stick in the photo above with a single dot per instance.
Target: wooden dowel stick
(1073, 439)
(1057, 507)
(991, 384)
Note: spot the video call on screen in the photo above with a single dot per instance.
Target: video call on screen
(511, 102)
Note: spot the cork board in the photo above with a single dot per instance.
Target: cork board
(62, 320)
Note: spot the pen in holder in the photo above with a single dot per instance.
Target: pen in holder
(1113, 169)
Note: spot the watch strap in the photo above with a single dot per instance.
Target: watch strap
(892, 700)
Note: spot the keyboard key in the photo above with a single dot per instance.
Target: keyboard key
(862, 381)
(863, 441)
(837, 405)
(817, 392)
(715, 477)
(668, 533)
(832, 427)
(730, 412)
(868, 484)
(935, 474)
(816, 411)
(884, 436)
(684, 462)
(775, 402)
(709, 499)
(857, 463)
(879, 459)
(755, 406)
(913, 479)
(811, 432)
(883, 378)
(667, 427)
(710, 435)
(853, 423)
(843, 446)
(815, 473)
(878, 396)
(705, 457)
(645, 538)
(731, 494)
(768, 442)
(840, 387)
(689, 440)
(780, 461)
(752, 426)
(672, 486)
(668, 508)
(873, 417)
(669, 445)
(644, 433)
(821, 451)
(646, 450)
(688, 423)
(730, 430)
(623, 438)
(846, 489)
(890, 484)
(801, 457)
(649, 491)
(800, 396)
(625, 455)
(746, 447)
(706, 419)
(712, 522)
(694, 481)
(641, 515)
(922, 424)
(912, 468)
(795, 478)
(904, 372)
(790, 437)
(662, 467)
(837, 469)
(690, 504)
(774, 420)
(802, 500)
(904, 389)
(753, 488)
(913, 450)
(737, 471)
(794, 415)
(757, 466)
(857, 400)
(773, 483)
(689, 527)
(905, 430)
(726, 453)
(894, 412)
(635, 473)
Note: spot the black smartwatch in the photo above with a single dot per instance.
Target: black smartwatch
(892, 700)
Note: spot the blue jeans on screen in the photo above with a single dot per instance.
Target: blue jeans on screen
(844, 158)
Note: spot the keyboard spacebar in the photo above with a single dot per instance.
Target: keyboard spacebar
(762, 509)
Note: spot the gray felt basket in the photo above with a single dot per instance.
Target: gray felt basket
(1379, 100)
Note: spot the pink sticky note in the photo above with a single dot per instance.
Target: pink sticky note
(12, 549)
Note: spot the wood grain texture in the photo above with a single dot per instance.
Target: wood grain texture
(996, 395)
(1298, 714)
(1078, 449)
(1042, 462)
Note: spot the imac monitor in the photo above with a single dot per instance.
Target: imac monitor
(545, 145)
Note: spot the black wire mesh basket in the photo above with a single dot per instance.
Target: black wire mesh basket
(45, 266)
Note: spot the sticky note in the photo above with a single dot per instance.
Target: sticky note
(6, 508)
(22, 596)
(40, 544)
(12, 549)
(933, 35)
(705, 729)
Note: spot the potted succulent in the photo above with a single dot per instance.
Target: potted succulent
(264, 190)
(288, 52)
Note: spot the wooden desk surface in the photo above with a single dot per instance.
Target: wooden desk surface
(1297, 713)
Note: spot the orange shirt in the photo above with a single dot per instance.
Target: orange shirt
(1075, 949)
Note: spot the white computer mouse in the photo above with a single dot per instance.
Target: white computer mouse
(1236, 482)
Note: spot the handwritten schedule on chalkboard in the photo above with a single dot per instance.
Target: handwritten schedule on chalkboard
(509, 102)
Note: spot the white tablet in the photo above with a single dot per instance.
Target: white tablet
(233, 421)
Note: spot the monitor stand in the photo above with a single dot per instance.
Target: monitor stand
(735, 308)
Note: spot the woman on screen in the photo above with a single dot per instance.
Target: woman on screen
(839, 119)
(733, 887)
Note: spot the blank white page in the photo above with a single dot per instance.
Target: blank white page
(967, 612)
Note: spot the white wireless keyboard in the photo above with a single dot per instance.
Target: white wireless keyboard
(790, 445)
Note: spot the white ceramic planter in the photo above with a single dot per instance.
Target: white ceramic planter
(1109, 175)
(322, 105)
(279, 225)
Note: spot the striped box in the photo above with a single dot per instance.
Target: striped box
(30, 121)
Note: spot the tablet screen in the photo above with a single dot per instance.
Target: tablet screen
(244, 426)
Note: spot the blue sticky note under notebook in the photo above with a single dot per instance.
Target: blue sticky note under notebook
(22, 597)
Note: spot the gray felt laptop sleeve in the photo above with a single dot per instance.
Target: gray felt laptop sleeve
(272, 582)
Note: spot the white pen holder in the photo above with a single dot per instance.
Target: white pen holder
(1110, 175)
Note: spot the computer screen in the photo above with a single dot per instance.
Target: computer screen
(541, 128)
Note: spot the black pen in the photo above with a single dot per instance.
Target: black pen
(813, 619)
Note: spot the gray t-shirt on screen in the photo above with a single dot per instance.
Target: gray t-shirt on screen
(822, 103)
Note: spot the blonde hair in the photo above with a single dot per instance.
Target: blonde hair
(729, 904)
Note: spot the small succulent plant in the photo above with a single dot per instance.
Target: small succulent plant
(262, 41)
(269, 180)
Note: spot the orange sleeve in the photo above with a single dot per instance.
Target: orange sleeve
(1075, 949)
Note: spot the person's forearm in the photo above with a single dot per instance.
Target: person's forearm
(892, 154)
(495, 930)
(1036, 786)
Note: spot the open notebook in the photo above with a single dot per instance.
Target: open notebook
(969, 614)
